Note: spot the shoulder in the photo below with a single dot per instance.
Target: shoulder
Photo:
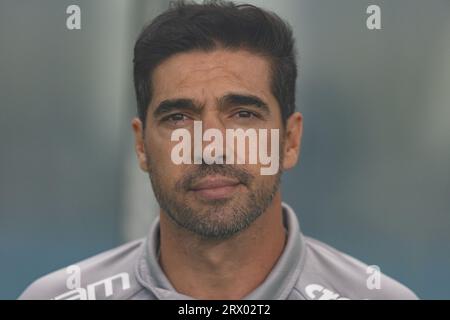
(331, 274)
(108, 275)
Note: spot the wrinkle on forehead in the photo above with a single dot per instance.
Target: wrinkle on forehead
(220, 68)
(207, 76)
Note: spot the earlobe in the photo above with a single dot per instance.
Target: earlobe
(292, 143)
(139, 145)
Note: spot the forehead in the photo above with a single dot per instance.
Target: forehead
(204, 75)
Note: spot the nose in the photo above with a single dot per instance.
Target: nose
(211, 119)
(213, 138)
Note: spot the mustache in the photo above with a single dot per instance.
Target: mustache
(203, 170)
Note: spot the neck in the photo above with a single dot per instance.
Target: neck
(222, 269)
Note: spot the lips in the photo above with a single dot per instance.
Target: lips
(213, 182)
(215, 187)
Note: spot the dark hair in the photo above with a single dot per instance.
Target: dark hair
(211, 25)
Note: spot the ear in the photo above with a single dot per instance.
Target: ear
(292, 140)
(139, 145)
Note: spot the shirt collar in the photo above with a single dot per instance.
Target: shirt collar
(277, 285)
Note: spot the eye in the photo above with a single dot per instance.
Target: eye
(175, 117)
(245, 114)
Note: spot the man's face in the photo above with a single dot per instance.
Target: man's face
(225, 90)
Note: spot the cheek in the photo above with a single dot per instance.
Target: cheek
(159, 149)
(159, 160)
(262, 182)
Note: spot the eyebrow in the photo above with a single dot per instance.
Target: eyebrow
(227, 101)
(169, 105)
(237, 99)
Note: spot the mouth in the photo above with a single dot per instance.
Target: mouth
(215, 187)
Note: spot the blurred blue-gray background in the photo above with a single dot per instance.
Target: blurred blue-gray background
(374, 176)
